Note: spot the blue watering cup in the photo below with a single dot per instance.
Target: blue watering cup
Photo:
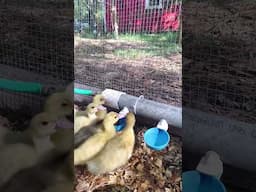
(156, 139)
(194, 181)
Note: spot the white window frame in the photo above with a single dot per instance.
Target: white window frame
(148, 6)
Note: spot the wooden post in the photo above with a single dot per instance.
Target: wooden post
(104, 16)
(114, 19)
(180, 35)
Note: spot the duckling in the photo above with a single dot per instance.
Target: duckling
(39, 177)
(60, 107)
(63, 140)
(85, 132)
(96, 126)
(102, 111)
(64, 186)
(65, 171)
(41, 127)
(75, 111)
(116, 152)
(95, 115)
(82, 120)
(94, 144)
(35, 178)
(25, 149)
(36, 135)
(15, 157)
(90, 111)
(64, 175)
(99, 99)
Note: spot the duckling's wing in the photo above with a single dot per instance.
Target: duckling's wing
(63, 139)
(29, 180)
(80, 113)
(85, 132)
(17, 137)
(14, 158)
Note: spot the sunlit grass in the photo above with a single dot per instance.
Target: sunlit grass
(157, 44)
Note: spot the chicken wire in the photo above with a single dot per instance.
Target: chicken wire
(219, 58)
(132, 46)
(35, 46)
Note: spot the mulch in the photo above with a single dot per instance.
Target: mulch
(147, 170)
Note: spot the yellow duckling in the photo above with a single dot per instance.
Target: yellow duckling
(116, 152)
(60, 107)
(88, 119)
(24, 150)
(95, 143)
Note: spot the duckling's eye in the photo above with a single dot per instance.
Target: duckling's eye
(64, 104)
(93, 107)
(44, 123)
(101, 99)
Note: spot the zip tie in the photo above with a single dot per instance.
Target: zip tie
(136, 103)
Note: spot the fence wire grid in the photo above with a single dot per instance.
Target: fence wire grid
(132, 46)
(217, 76)
(35, 46)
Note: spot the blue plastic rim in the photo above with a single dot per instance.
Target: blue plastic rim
(120, 124)
(156, 138)
(193, 181)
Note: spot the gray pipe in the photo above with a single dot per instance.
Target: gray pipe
(144, 107)
(234, 141)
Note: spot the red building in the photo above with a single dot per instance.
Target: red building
(143, 16)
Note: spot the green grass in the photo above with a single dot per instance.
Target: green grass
(159, 44)
(156, 45)
(146, 52)
(159, 37)
(86, 33)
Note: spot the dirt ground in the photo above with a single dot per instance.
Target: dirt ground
(157, 78)
(32, 27)
(219, 58)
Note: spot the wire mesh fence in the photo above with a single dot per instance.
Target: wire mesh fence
(132, 46)
(216, 72)
(35, 46)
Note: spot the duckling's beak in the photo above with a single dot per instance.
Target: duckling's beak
(65, 122)
(120, 116)
(101, 108)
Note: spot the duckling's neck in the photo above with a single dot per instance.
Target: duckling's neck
(92, 116)
(128, 135)
(109, 127)
(42, 144)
